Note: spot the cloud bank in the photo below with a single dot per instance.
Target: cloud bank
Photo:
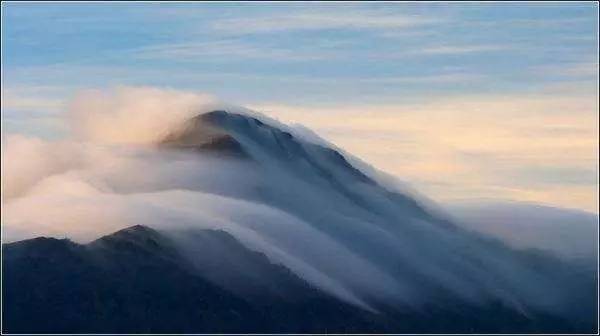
(298, 203)
(133, 115)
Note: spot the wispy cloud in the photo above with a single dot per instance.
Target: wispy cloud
(439, 78)
(31, 98)
(534, 23)
(326, 18)
(242, 50)
(570, 70)
(461, 49)
(236, 49)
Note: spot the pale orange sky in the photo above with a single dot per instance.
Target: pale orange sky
(540, 147)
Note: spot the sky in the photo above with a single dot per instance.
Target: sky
(460, 100)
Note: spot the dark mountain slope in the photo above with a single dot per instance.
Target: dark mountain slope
(136, 281)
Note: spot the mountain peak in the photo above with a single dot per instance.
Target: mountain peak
(227, 132)
(220, 117)
(202, 133)
(135, 238)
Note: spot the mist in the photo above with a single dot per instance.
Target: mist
(567, 233)
(363, 242)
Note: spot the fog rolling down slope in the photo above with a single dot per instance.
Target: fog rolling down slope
(250, 228)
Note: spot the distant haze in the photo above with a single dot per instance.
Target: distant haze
(564, 232)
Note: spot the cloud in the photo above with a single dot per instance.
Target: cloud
(26, 161)
(532, 22)
(31, 98)
(231, 49)
(222, 36)
(327, 18)
(484, 143)
(568, 233)
(105, 178)
(461, 49)
(200, 51)
(133, 115)
(439, 78)
(569, 70)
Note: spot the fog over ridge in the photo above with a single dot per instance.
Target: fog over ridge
(292, 197)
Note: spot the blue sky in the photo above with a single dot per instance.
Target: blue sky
(310, 62)
(273, 51)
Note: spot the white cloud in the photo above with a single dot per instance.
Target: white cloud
(229, 49)
(31, 98)
(319, 19)
(199, 51)
(128, 114)
(570, 70)
(460, 49)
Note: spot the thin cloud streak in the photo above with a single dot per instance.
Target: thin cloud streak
(318, 20)
(570, 70)
(238, 50)
(199, 51)
(462, 49)
(28, 99)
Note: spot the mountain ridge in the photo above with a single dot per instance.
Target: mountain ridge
(119, 286)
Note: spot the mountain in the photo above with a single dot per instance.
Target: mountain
(136, 280)
(251, 227)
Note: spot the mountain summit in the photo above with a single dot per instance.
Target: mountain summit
(228, 133)
(235, 133)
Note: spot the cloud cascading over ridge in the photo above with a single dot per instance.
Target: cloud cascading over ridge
(111, 174)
